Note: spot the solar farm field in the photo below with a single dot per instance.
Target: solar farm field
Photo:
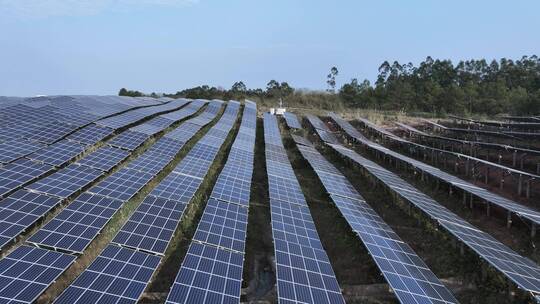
(107, 199)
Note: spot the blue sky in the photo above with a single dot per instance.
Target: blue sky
(98, 46)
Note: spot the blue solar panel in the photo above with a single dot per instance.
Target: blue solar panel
(74, 228)
(17, 148)
(129, 140)
(177, 187)
(292, 120)
(66, 181)
(208, 275)
(166, 146)
(224, 225)
(122, 185)
(51, 132)
(58, 153)
(91, 134)
(149, 162)
(20, 211)
(117, 275)
(152, 225)
(304, 273)
(407, 274)
(28, 271)
(105, 158)
(20, 172)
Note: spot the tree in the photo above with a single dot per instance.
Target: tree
(331, 79)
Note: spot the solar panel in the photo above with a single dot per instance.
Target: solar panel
(147, 129)
(122, 184)
(407, 274)
(129, 140)
(152, 225)
(117, 275)
(58, 153)
(51, 132)
(304, 274)
(78, 224)
(520, 270)
(224, 225)
(20, 172)
(285, 189)
(193, 167)
(208, 275)
(204, 152)
(167, 146)
(28, 271)
(184, 132)
(105, 158)
(20, 211)
(149, 162)
(232, 190)
(17, 148)
(292, 120)
(66, 181)
(177, 187)
(91, 134)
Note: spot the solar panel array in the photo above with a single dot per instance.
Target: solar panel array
(127, 264)
(28, 271)
(20, 172)
(304, 273)
(212, 269)
(409, 277)
(520, 270)
(486, 195)
(324, 133)
(74, 228)
(292, 121)
(58, 153)
(23, 208)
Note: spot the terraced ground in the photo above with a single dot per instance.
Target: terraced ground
(125, 200)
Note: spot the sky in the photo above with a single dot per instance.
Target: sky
(55, 47)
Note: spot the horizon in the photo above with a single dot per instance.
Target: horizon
(63, 47)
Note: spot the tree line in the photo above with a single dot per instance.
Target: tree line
(434, 86)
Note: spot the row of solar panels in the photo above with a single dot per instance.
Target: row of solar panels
(405, 272)
(23, 208)
(486, 195)
(212, 269)
(24, 163)
(303, 271)
(520, 270)
(75, 227)
(458, 156)
(150, 228)
(468, 143)
(30, 126)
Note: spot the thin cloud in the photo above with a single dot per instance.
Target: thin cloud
(51, 8)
